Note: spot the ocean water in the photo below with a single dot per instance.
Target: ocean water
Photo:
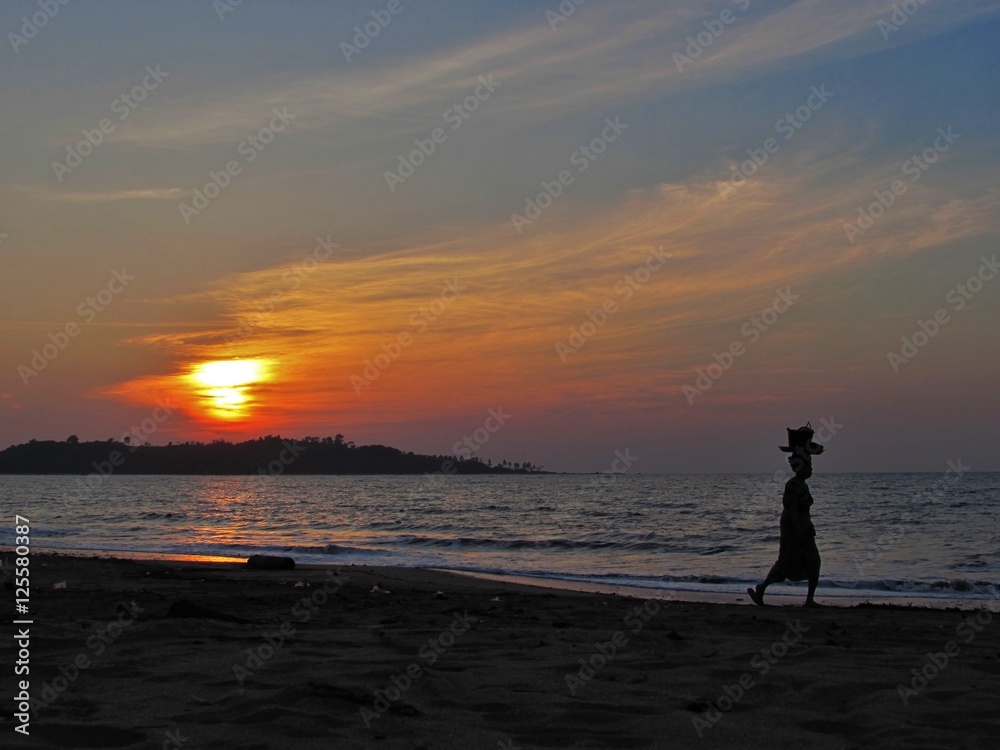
(931, 536)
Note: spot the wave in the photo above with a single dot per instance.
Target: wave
(40, 532)
(955, 588)
(641, 543)
(717, 550)
(325, 549)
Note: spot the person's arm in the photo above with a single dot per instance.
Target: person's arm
(809, 530)
(791, 503)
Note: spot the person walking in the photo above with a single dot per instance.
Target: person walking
(798, 556)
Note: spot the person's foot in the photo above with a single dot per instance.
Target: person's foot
(757, 597)
(810, 603)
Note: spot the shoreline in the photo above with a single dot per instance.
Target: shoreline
(780, 595)
(125, 651)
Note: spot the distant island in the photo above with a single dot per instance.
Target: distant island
(266, 456)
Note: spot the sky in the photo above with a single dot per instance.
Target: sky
(557, 233)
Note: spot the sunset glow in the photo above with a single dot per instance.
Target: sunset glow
(226, 386)
(639, 225)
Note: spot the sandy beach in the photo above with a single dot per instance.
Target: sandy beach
(167, 654)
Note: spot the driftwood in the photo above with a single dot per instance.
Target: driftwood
(270, 562)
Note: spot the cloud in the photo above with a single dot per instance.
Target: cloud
(522, 295)
(602, 55)
(9, 403)
(838, 30)
(105, 196)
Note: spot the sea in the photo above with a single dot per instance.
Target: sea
(927, 539)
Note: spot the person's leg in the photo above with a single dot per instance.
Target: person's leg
(813, 582)
(757, 592)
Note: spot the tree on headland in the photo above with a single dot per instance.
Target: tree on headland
(271, 454)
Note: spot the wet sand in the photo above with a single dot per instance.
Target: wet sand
(160, 654)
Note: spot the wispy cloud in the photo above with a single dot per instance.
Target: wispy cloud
(606, 55)
(103, 196)
(727, 259)
(838, 30)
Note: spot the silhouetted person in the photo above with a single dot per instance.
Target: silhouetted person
(798, 557)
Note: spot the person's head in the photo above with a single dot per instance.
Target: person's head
(801, 464)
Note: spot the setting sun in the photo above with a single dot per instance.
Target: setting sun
(224, 386)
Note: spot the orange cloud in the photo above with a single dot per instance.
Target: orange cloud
(612, 311)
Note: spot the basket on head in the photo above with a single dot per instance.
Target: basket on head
(800, 441)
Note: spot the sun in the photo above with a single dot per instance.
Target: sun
(228, 373)
(225, 386)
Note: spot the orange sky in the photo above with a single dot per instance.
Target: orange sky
(401, 313)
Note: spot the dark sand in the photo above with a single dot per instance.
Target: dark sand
(467, 663)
